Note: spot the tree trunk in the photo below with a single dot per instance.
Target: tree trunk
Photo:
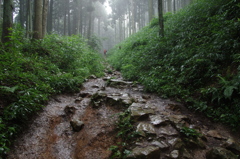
(22, 12)
(69, 18)
(160, 15)
(37, 28)
(50, 18)
(150, 10)
(44, 18)
(29, 22)
(7, 20)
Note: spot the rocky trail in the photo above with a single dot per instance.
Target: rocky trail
(83, 126)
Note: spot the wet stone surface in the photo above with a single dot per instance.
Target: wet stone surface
(83, 126)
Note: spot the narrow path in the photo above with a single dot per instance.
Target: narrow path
(82, 126)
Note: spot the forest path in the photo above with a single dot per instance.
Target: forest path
(83, 126)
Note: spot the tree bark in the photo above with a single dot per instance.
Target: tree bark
(44, 18)
(150, 10)
(7, 20)
(37, 28)
(160, 15)
(50, 18)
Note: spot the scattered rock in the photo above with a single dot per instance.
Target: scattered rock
(215, 134)
(167, 130)
(138, 110)
(118, 83)
(160, 144)
(76, 124)
(158, 119)
(174, 154)
(176, 143)
(186, 154)
(145, 128)
(78, 100)
(149, 152)
(70, 110)
(174, 107)
(230, 144)
(220, 153)
(92, 77)
(146, 96)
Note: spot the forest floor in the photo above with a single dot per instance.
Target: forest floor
(83, 126)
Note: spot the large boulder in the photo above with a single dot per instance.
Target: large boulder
(220, 153)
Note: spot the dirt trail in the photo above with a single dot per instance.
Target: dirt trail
(51, 136)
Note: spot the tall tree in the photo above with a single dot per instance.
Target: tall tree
(50, 18)
(150, 10)
(7, 20)
(44, 18)
(37, 28)
(160, 15)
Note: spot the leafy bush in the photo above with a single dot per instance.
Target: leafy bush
(30, 72)
(196, 62)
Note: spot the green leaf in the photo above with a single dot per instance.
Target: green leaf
(228, 91)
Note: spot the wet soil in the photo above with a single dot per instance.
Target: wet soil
(50, 135)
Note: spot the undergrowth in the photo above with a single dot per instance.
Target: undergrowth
(32, 71)
(197, 62)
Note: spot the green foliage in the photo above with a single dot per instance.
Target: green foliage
(32, 71)
(190, 133)
(126, 132)
(197, 61)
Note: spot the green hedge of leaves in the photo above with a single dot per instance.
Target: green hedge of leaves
(196, 62)
(32, 71)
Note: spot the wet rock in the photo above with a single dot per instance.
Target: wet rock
(149, 152)
(173, 154)
(160, 144)
(95, 86)
(146, 97)
(220, 153)
(195, 143)
(145, 129)
(84, 94)
(92, 77)
(158, 119)
(178, 118)
(70, 110)
(186, 154)
(76, 124)
(118, 83)
(138, 110)
(176, 143)
(230, 144)
(98, 98)
(174, 107)
(78, 100)
(167, 130)
(214, 134)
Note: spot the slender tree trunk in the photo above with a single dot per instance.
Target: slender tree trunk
(22, 12)
(65, 22)
(0, 9)
(44, 18)
(69, 18)
(133, 16)
(29, 21)
(160, 15)
(37, 29)
(7, 20)
(129, 17)
(50, 18)
(150, 10)
(80, 18)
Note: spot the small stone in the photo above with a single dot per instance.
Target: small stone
(76, 124)
(177, 143)
(146, 97)
(92, 77)
(79, 99)
(69, 110)
(174, 154)
(167, 130)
